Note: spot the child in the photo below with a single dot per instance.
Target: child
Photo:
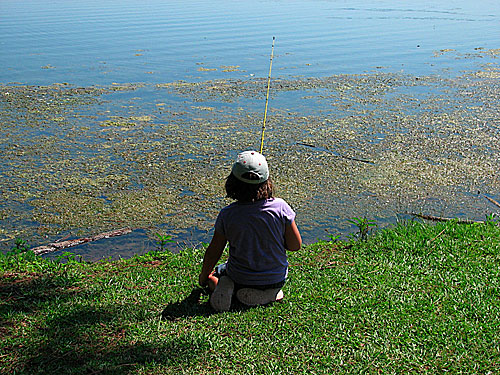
(259, 229)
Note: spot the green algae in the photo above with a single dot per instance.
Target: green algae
(84, 160)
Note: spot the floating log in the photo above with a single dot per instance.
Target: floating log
(55, 246)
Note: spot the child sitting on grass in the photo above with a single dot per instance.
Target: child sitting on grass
(259, 229)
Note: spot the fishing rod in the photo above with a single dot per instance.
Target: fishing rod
(267, 98)
(299, 143)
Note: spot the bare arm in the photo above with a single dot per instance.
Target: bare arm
(293, 240)
(212, 256)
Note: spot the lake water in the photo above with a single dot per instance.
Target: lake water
(100, 42)
(153, 43)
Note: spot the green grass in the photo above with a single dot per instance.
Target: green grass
(412, 299)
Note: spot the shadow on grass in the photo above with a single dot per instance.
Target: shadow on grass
(192, 306)
(26, 293)
(92, 344)
(188, 307)
(52, 326)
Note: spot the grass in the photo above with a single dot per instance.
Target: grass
(415, 298)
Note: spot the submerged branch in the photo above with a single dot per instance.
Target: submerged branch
(335, 153)
(493, 201)
(439, 218)
(54, 246)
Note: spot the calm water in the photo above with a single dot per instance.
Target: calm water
(100, 42)
(88, 43)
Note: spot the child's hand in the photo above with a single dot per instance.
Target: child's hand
(203, 279)
(209, 280)
(212, 281)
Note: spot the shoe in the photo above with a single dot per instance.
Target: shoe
(254, 297)
(220, 300)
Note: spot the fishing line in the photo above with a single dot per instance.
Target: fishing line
(267, 98)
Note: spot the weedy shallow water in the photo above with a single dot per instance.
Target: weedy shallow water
(84, 160)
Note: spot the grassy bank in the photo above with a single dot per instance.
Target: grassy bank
(416, 298)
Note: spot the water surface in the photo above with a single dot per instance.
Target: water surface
(100, 42)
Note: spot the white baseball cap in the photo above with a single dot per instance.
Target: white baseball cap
(251, 167)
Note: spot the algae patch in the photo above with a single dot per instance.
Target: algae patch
(86, 160)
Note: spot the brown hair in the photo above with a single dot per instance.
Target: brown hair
(244, 192)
